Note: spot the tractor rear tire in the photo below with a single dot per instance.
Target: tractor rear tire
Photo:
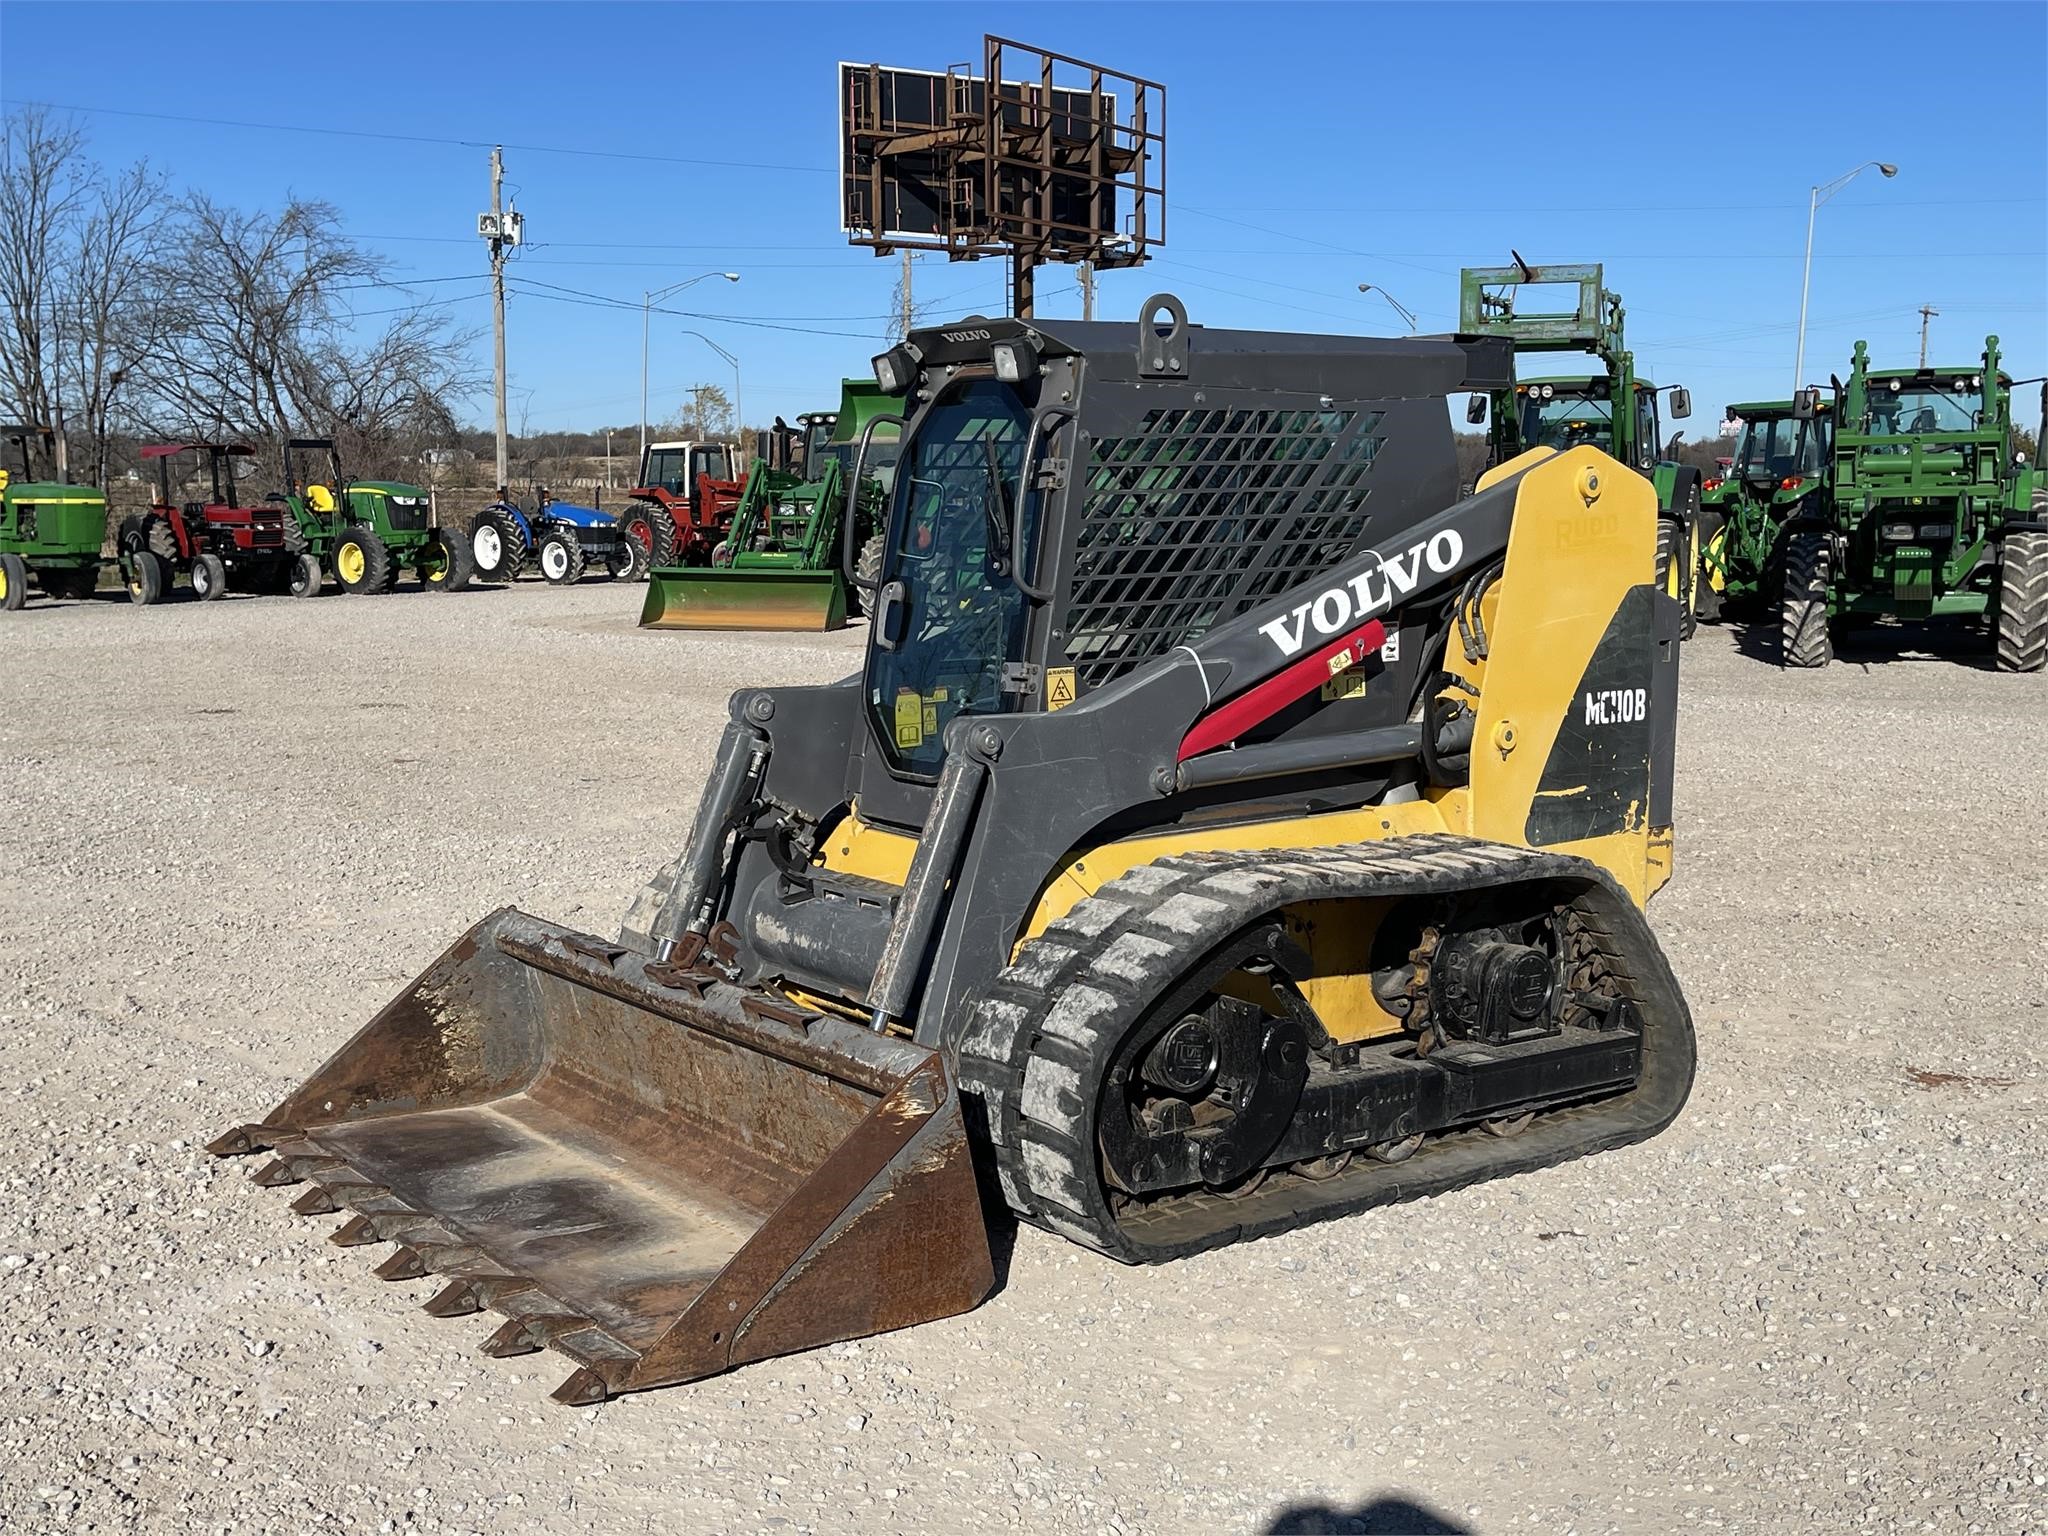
(2023, 604)
(1676, 574)
(148, 578)
(497, 546)
(1707, 527)
(560, 557)
(160, 541)
(649, 524)
(867, 568)
(447, 564)
(209, 577)
(13, 583)
(362, 564)
(304, 577)
(1803, 614)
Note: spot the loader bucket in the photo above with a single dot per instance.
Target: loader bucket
(744, 598)
(640, 1164)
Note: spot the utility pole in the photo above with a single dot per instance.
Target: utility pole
(907, 307)
(1087, 276)
(1927, 313)
(502, 230)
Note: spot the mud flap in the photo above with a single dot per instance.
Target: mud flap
(696, 597)
(640, 1164)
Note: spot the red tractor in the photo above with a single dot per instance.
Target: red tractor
(684, 502)
(215, 542)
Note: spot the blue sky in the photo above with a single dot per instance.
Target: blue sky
(1398, 143)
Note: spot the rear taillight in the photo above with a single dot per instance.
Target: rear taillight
(1710, 487)
(1791, 482)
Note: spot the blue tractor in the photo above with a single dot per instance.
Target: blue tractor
(563, 540)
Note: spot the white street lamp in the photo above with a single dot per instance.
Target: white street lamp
(739, 418)
(1407, 314)
(647, 302)
(1820, 195)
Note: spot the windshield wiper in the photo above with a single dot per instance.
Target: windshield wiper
(995, 509)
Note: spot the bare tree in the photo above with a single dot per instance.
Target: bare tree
(111, 321)
(260, 342)
(39, 194)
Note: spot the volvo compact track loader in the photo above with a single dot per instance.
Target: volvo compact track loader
(1229, 828)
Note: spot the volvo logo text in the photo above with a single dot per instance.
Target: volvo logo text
(1370, 593)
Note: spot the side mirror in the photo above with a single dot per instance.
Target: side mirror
(1805, 404)
(1681, 402)
(1475, 409)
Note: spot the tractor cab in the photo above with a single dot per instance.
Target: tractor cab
(1778, 448)
(677, 467)
(684, 502)
(1578, 411)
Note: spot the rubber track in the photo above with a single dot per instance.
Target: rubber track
(2023, 600)
(1035, 1048)
(1803, 617)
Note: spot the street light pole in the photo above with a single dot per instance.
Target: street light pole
(1406, 314)
(1820, 195)
(739, 417)
(647, 302)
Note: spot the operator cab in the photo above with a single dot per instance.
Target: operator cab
(1579, 412)
(1922, 403)
(675, 467)
(1777, 448)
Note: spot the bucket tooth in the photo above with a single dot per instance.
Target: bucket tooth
(592, 948)
(513, 1338)
(241, 1141)
(447, 1258)
(316, 1202)
(354, 1233)
(313, 1164)
(402, 1265)
(457, 1299)
(274, 1173)
(583, 1389)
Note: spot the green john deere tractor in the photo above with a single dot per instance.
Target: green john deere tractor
(790, 557)
(1779, 475)
(50, 532)
(1610, 408)
(1929, 514)
(364, 533)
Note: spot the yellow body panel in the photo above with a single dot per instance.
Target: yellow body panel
(1584, 535)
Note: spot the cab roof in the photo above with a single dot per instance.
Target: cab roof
(1583, 379)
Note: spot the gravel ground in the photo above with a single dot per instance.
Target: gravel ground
(1816, 1304)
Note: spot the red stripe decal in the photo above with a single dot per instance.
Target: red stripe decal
(1259, 704)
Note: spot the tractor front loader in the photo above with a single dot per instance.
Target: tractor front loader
(1929, 514)
(1612, 408)
(1230, 828)
(779, 565)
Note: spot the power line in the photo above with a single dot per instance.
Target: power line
(416, 138)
